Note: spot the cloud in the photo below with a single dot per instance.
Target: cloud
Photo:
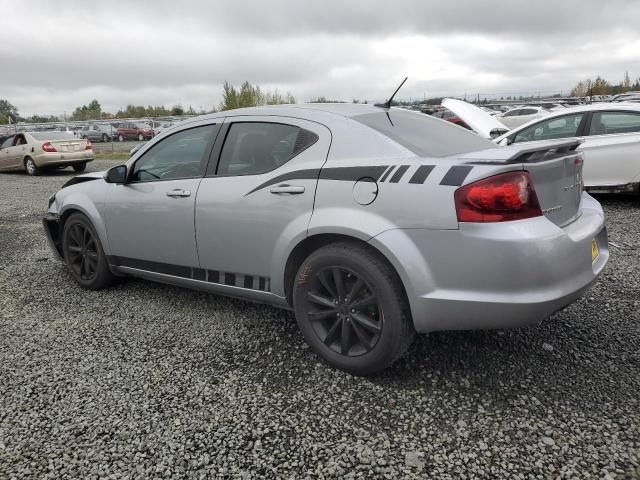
(167, 52)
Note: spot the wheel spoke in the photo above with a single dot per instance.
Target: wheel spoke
(321, 300)
(331, 334)
(75, 248)
(365, 302)
(93, 262)
(321, 315)
(345, 340)
(323, 280)
(361, 336)
(74, 235)
(366, 322)
(355, 289)
(337, 279)
(92, 254)
(83, 262)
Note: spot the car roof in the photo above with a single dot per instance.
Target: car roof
(304, 109)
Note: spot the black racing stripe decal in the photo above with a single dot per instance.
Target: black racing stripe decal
(399, 173)
(310, 174)
(386, 173)
(421, 174)
(456, 175)
(211, 276)
(352, 173)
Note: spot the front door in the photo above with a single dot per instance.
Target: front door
(612, 148)
(258, 197)
(6, 154)
(149, 219)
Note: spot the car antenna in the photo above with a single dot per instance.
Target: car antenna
(387, 104)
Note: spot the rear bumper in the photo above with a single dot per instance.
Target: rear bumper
(632, 188)
(67, 158)
(498, 275)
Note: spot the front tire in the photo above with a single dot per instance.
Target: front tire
(80, 167)
(105, 138)
(31, 167)
(120, 138)
(352, 309)
(84, 255)
(140, 137)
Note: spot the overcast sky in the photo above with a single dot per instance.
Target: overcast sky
(56, 55)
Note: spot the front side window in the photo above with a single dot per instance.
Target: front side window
(182, 155)
(252, 148)
(8, 142)
(557, 127)
(603, 123)
(528, 111)
(512, 113)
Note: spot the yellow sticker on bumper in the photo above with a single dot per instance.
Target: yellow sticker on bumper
(594, 250)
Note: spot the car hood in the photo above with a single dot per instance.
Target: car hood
(86, 177)
(480, 121)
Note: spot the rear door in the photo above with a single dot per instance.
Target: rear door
(258, 197)
(612, 148)
(149, 220)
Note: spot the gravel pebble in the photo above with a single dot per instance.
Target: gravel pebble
(146, 380)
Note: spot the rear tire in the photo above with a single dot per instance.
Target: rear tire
(84, 255)
(120, 138)
(105, 138)
(80, 167)
(140, 137)
(31, 167)
(351, 308)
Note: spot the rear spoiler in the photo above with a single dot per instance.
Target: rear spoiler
(524, 152)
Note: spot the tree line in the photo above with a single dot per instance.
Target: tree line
(599, 86)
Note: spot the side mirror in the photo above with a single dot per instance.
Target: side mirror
(116, 174)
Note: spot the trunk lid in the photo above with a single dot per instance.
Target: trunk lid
(480, 121)
(555, 168)
(70, 145)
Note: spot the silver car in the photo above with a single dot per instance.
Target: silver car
(371, 224)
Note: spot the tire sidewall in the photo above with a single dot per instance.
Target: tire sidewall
(391, 309)
(35, 169)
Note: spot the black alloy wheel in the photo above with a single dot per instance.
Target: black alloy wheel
(83, 253)
(82, 249)
(344, 311)
(351, 307)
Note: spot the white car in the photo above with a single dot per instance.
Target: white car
(521, 115)
(610, 134)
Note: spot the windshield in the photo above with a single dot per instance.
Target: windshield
(424, 135)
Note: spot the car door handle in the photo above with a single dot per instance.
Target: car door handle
(178, 192)
(285, 189)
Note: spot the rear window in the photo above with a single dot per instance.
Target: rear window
(51, 135)
(423, 135)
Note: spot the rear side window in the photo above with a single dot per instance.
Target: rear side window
(252, 148)
(603, 123)
(423, 135)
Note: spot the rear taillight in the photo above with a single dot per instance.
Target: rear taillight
(47, 147)
(503, 197)
(89, 146)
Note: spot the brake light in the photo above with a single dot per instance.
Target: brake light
(89, 146)
(47, 147)
(500, 198)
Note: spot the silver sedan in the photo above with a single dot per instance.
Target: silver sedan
(370, 223)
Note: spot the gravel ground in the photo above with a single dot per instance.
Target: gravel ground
(146, 380)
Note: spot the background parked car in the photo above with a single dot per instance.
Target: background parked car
(97, 132)
(519, 116)
(449, 116)
(133, 131)
(610, 134)
(35, 151)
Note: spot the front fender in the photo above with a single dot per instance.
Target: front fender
(81, 202)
